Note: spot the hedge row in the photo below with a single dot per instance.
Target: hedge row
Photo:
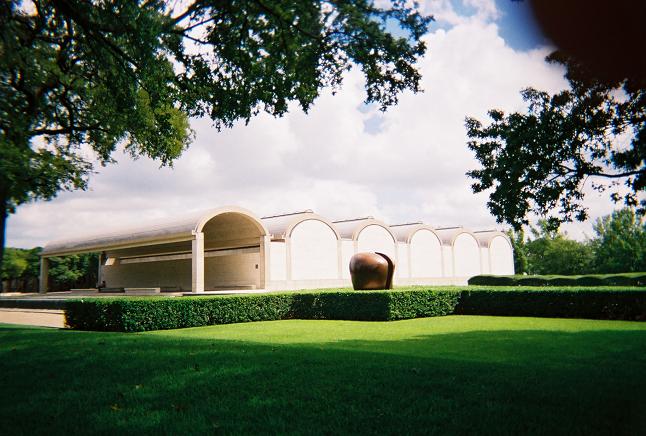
(628, 279)
(143, 314)
(593, 303)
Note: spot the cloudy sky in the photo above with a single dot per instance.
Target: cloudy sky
(343, 159)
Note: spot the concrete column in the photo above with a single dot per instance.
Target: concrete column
(99, 275)
(265, 261)
(339, 262)
(442, 265)
(197, 262)
(44, 275)
(288, 258)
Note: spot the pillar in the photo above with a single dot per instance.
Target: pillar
(99, 275)
(44, 275)
(197, 262)
(265, 265)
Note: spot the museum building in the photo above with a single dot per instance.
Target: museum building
(231, 248)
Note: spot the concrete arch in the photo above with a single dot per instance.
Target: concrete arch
(298, 255)
(420, 250)
(234, 210)
(466, 255)
(501, 256)
(313, 250)
(377, 237)
(352, 242)
(497, 251)
(233, 250)
(426, 258)
(462, 247)
(314, 217)
(282, 226)
(351, 229)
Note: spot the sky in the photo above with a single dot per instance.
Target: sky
(343, 159)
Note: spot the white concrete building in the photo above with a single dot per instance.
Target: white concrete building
(421, 256)
(462, 257)
(366, 234)
(231, 248)
(497, 255)
(304, 252)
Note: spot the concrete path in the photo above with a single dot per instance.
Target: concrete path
(37, 317)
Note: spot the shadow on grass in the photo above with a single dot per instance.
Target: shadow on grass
(484, 382)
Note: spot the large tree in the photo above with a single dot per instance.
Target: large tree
(620, 243)
(539, 161)
(549, 251)
(79, 78)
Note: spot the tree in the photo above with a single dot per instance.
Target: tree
(551, 252)
(20, 268)
(620, 243)
(80, 78)
(15, 264)
(540, 160)
(519, 246)
(75, 271)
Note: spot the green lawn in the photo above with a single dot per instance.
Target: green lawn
(447, 375)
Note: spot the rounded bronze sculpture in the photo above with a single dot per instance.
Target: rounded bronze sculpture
(371, 271)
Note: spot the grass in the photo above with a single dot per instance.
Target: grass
(447, 375)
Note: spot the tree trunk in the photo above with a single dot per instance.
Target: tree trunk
(3, 228)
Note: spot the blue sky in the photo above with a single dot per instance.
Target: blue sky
(515, 22)
(518, 27)
(342, 159)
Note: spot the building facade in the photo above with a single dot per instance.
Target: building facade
(232, 248)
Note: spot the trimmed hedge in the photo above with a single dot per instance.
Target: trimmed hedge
(136, 314)
(627, 279)
(594, 303)
(143, 314)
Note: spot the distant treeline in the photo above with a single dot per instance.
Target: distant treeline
(21, 268)
(618, 246)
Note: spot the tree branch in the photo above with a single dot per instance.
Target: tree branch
(65, 130)
(618, 176)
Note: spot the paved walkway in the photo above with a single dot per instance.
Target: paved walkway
(37, 317)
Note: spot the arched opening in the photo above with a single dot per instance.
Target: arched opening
(466, 255)
(233, 252)
(425, 255)
(313, 251)
(501, 256)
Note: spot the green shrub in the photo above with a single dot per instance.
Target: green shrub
(564, 281)
(489, 280)
(143, 314)
(532, 281)
(591, 281)
(566, 302)
(421, 303)
(626, 279)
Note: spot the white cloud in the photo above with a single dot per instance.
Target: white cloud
(410, 167)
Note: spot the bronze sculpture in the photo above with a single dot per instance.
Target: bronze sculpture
(371, 271)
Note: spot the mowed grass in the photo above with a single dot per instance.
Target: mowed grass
(448, 375)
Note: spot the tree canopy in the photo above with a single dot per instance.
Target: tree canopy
(549, 251)
(21, 268)
(617, 246)
(620, 243)
(539, 161)
(80, 78)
